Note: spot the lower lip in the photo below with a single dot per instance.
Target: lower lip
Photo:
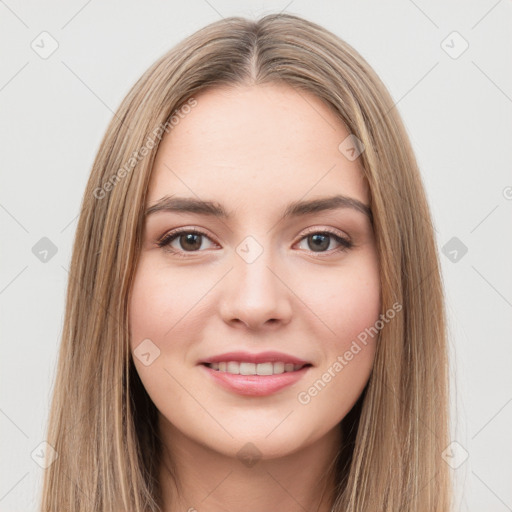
(256, 385)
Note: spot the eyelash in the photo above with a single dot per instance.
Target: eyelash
(164, 242)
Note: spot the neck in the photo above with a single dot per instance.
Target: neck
(195, 477)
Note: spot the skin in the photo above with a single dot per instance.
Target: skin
(254, 149)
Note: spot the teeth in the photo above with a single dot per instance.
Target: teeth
(233, 367)
(277, 367)
(243, 368)
(247, 369)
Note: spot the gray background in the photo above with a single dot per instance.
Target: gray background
(457, 110)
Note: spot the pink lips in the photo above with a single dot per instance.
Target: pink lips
(261, 357)
(255, 385)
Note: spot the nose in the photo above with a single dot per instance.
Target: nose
(256, 294)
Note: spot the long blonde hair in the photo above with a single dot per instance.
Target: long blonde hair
(102, 423)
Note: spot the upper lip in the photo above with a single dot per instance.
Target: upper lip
(260, 357)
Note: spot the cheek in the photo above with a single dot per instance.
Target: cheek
(159, 305)
(163, 324)
(349, 305)
(347, 301)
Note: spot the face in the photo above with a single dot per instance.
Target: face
(238, 275)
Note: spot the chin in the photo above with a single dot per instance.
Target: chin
(265, 443)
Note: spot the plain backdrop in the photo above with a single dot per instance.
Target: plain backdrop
(447, 66)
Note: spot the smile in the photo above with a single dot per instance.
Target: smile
(243, 368)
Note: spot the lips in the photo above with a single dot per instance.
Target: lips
(259, 374)
(261, 357)
(254, 385)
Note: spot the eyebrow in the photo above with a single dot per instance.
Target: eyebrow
(294, 209)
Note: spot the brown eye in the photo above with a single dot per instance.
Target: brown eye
(190, 241)
(321, 242)
(186, 241)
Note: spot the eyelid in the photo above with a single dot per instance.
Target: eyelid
(331, 231)
(183, 230)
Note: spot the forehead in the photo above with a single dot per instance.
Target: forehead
(256, 143)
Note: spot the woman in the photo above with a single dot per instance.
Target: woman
(255, 316)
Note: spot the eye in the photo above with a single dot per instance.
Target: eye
(320, 241)
(188, 240)
(191, 240)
